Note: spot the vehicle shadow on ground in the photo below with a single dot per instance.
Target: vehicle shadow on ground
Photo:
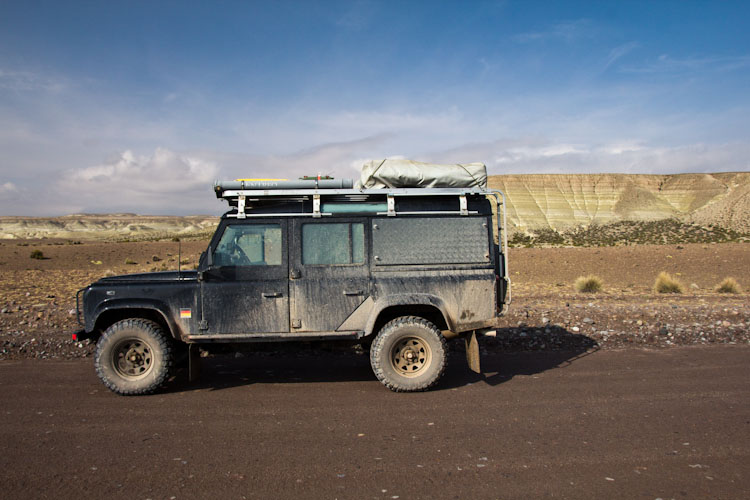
(518, 351)
(511, 353)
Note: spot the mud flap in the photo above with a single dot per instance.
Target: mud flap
(472, 351)
(194, 362)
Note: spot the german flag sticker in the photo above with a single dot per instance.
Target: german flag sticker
(186, 314)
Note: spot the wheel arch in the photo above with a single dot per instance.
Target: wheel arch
(113, 313)
(424, 306)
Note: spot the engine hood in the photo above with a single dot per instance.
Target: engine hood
(153, 277)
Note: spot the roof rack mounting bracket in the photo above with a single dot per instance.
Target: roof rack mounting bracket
(240, 207)
(316, 205)
(391, 206)
(464, 205)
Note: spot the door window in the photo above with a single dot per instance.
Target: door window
(249, 245)
(333, 244)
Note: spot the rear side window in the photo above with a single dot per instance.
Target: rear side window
(333, 243)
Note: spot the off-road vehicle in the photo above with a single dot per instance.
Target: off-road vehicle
(400, 269)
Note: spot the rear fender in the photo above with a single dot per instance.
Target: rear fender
(406, 300)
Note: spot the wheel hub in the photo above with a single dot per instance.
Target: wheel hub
(132, 358)
(410, 356)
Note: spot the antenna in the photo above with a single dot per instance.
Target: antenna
(179, 258)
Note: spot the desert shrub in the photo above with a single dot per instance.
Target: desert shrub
(130, 262)
(667, 284)
(588, 284)
(729, 285)
(37, 254)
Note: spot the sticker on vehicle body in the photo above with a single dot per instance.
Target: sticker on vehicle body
(186, 313)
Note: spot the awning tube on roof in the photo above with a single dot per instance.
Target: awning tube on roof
(221, 186)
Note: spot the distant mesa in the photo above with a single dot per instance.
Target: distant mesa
(535, 202)
(564, 201)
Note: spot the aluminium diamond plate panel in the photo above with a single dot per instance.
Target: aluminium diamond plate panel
(414, 241)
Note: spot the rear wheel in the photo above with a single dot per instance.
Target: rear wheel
(134, 356)
(408, 354)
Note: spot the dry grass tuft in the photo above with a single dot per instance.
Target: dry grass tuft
(729, 285)
(588, 284)
(667, 284)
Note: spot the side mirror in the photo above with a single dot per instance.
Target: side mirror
(209, 258)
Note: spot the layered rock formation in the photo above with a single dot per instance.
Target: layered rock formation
(103, 227)
(560, 202)
(564, 201)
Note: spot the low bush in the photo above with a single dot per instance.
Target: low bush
(37, 254)
(667, 284)
(729, 285)
(588, 284)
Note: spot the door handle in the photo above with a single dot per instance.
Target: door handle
(353, 292)
(272, 295)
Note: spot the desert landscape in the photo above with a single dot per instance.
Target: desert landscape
(561, 228)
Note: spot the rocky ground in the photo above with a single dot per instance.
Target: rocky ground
(37, 296)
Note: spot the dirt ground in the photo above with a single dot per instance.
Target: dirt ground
(630, 423)
(37, 296)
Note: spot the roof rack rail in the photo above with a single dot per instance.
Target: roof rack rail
(327, 199)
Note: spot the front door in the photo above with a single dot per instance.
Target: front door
(247, 289)
(329, 272)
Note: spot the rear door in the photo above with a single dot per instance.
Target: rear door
(329, 272)
(247, 290)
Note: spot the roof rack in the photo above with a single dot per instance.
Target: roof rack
(328, 201)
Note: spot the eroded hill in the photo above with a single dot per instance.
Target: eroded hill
(562, 202)
(559, 209)
(106, 227)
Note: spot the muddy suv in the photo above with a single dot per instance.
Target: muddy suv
(401, 270)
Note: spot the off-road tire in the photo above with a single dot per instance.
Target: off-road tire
(134, 356)
(408, 354)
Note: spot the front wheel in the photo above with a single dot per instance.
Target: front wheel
(133, 356)
(408, 354)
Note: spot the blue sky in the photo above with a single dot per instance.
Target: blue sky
(139, 106)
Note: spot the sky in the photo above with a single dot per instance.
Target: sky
(139, 106)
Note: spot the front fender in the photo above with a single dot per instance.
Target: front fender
(158, 306)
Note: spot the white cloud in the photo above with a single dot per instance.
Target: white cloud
(164, 182)
(619, 52)
(667, 64)
(338, 159)
(567, 31)
(23, 81)
(537, 156)
(8, 187)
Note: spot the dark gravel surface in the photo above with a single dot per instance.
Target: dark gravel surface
(634, 423)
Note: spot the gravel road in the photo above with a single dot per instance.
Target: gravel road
(633, 423)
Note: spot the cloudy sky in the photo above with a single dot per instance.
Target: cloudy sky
(139, 106)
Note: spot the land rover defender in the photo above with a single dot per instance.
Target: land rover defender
(401, 269)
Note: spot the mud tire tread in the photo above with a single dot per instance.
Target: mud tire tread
(149, 332)
(379, 357)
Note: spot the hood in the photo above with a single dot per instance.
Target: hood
(158, 276)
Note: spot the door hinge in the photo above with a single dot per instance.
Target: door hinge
(203, 325)
(296, 323)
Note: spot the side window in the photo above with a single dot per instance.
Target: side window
(333, 244)
(249, 245)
